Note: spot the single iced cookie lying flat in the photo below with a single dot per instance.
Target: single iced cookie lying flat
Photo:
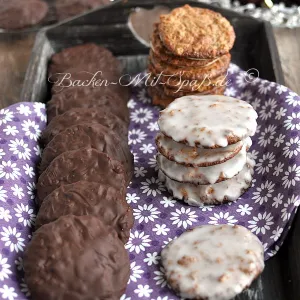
(199, 195)
(197, 157)
(208, 121)
(203, 175)
(213, 262)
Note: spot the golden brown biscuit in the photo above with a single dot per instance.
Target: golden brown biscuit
(161, 99)
(196, 32)
(167, 57)
(193, 73)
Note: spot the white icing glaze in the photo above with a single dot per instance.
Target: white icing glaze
(207, 121)
(198, 157)
(199, 195)
(203, 175)
(213, 262)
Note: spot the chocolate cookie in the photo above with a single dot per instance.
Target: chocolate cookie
(213, 70)
(159, 50)
(69, 8)
(88, 198)
(196, 32)
(93, 136)
(15, 14)
(80, 165)
(78, 258)
(77, 116)
(213, 261)
(95, 98)
(81, 56)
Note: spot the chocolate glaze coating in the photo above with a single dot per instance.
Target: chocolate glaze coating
(97, 98)
(77, 116)
(94, 136)
(84, 55)
(83, 164)
(78, 258)
(17, 15)
(88, 198)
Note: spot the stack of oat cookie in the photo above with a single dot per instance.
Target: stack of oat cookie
(203, 147)
(189, 54)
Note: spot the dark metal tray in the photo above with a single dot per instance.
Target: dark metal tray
(254, 48)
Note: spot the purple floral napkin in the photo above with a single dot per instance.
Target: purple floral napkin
(267, 209)
(20, 127)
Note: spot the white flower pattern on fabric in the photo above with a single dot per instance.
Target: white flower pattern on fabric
(31, 129)
(12, 239)
(146, 213)
(143, 291)
(8, 292)
(5, 214)
(4, 268)
(11, 130)
(138, 241)
(152, 258)
(183, 217)
(5, 116)
(135, 272)
(264, 192)
(24, 110)
(25, 215)
(9, 170)
(222, 218)
(292, 147)
(261, 223)
(20, 148)
(152, 186)
(136, 136)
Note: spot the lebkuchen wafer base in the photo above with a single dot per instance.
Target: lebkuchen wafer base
(83, 219)
(189, 54)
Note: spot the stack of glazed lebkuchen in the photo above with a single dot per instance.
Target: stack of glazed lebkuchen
(189, 54)
(202, 147)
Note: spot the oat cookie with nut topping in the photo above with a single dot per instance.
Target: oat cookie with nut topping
(196, 32)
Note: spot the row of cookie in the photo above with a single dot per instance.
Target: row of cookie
(18, 14)
(183, 60)
(83, 220)
(203, 148)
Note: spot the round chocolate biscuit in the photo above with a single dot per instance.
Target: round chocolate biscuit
(96, 99)
(208, 121)
(78, 116)
(93, 136)
(159, 50)
(213, 70)
(15, 14)
(196, 32)
(69, 8)
(80, 165)
(213, 262)
(78, 258)
(84, 55)
(88, 198)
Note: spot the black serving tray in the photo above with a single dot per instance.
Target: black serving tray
(254, 48)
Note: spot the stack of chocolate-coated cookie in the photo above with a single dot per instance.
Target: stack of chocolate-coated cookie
(203, 148)
(77, 251)
(189, 54)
